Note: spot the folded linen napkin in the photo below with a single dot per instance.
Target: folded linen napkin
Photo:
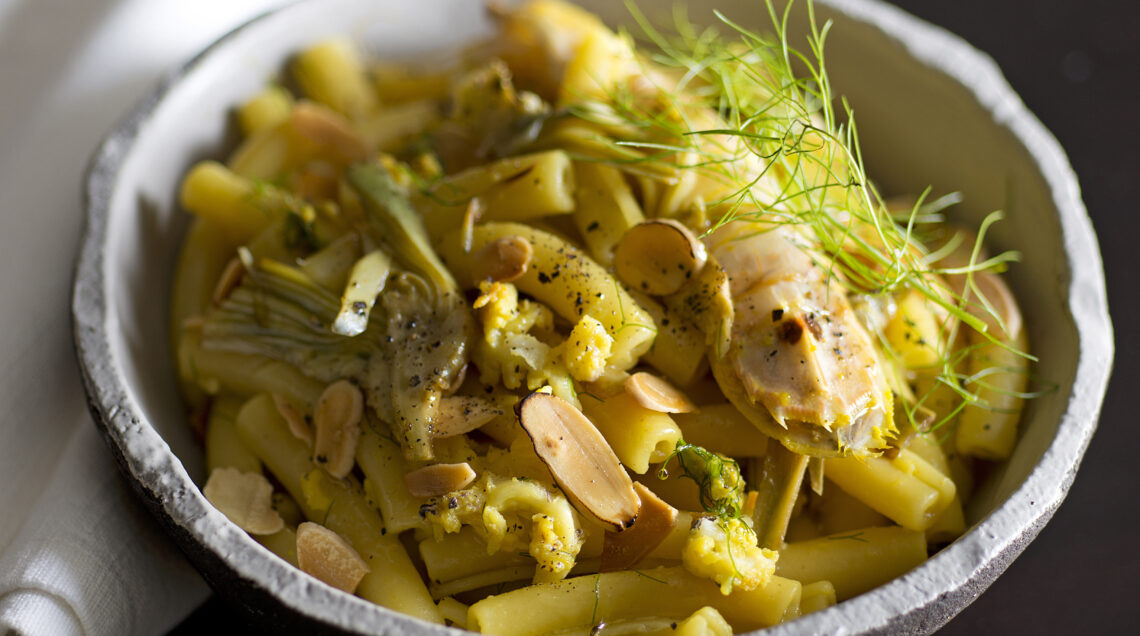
(78, 552)
(90, 559)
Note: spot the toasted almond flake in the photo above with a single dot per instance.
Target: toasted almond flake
(329, 557)
(656, 394)
(337, 421)
(295, 418)
(622, 550)
(460, 414)
(438, 479)
(503, 260)
(658, 256)
(246, 498)
(329, 128)
(581, 461)
(228, 281)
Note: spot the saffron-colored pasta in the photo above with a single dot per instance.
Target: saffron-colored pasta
(392, 268)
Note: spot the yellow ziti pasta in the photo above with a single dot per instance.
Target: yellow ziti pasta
(339, 505)
(855, 561)
(906, 489)
(575, 337)
(583, 601)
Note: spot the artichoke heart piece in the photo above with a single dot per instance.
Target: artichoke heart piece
(428, 328)
(406, 352)
(365, 282)
(488, 118)
(799, 364)
(395, 223)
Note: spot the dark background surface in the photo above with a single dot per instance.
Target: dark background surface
(1076, 64)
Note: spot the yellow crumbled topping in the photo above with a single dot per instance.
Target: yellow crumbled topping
(510, 351)
(587, 349)
(512, 514)
(704, 622)
(726, 552)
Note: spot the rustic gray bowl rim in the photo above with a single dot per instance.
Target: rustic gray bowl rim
(969, 565)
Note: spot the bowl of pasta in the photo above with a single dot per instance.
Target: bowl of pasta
(537, 317)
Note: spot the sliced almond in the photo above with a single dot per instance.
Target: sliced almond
(337, 420)
(439, 479)
(581, 461)
(460, 414)
(295, 418)
(327, 556)
(328, 128)
(503, 260)
(658, 256)
(656, 394)
(246, 498)
(228, 281)
(622, 550)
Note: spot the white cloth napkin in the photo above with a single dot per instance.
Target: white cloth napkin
(90, 559)
(78, 553)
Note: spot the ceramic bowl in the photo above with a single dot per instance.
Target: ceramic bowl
(931, 111)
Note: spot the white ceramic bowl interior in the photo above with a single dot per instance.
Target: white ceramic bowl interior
(930, 110)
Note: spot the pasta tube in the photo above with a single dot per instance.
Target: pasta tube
(331, 74)
(585, 601)
(463, 554)
(393, 580)
(989, 430)
(781, 475)
(605, 208)
(204, 255)
(568, 281)
(853, 562)
(722, 429)
(512, 189)
(229, 200)
(679, 349)
(817, 596)
(906, 489)
(283, 543)
(382, 462)
(224, 449)
(638, 436)
(265, 110)
(840, 513)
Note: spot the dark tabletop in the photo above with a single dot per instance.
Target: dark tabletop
(1076, 64)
